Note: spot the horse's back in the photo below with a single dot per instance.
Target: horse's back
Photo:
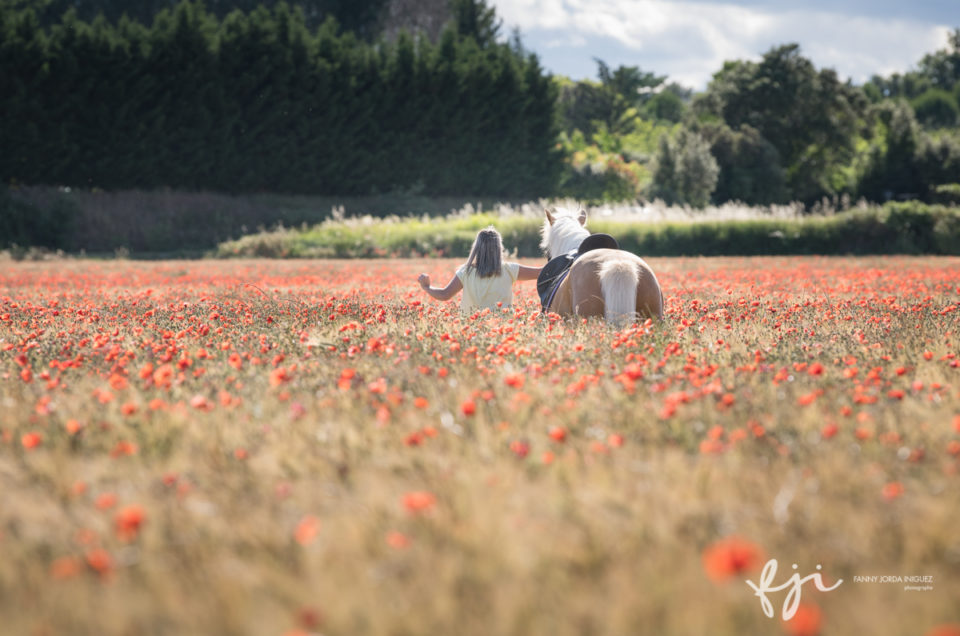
(585, 292)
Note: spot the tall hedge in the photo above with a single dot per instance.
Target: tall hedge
(258, 103)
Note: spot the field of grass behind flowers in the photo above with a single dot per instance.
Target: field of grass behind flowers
(275, 447)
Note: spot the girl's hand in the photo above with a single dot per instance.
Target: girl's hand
(424, 281)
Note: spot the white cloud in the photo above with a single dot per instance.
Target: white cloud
(540, 14)
(689, 41)
(573, 40)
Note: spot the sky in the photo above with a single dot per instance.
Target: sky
(689, 40)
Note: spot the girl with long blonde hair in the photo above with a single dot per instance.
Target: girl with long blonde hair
(486, 278)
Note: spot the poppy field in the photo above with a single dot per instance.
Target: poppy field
(317, 447)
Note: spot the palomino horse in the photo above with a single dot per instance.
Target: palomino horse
(612, 283)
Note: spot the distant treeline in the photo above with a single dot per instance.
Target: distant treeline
(257, 102)
(768, 131)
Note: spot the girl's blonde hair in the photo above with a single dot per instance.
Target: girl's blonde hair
(486, 255)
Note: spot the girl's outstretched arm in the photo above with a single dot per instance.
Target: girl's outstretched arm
(445, 293)
(528, 273)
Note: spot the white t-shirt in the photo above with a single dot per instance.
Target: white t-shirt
(481, 293)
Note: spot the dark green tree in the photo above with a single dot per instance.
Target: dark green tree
(475, 19)
(936, 108)
(581, 104)
(809, 116)
(632, 85)
(259, 103)
(749, 166)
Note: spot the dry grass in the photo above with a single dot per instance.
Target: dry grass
(271, 486)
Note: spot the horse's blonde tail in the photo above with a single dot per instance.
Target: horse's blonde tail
(618, 284)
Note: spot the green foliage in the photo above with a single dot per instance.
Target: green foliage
(905, 162)
(614, 165)
(259, 103)
(580, 104)
(665, 105)
(936, 108)
(891, 168)
(897, 86)
(640, 138)
(474, 19)
(685, 173)
(618, 97)
(593, 176)
(749, 166)
(297, 97)
(895, 228)
(809, 116)
(632, 85)
(938, 161)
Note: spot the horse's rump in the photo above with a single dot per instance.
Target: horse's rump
(631, 287)
(618, 284)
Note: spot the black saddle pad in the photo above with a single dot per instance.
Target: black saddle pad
(551, 275)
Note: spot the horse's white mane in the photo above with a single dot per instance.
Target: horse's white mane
(564, 234)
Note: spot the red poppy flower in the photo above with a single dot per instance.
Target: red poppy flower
(807, 621)
(419, 501)
(730, 557)
(31, 440)
(128, 522)
(306, 530)
(892, 490)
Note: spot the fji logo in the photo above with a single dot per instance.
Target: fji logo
(794, 583)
